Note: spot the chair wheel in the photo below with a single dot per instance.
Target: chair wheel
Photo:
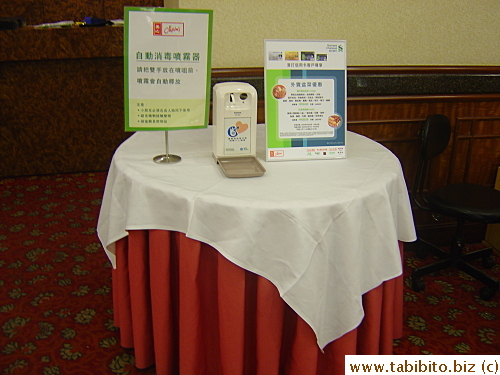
(486, 293)
(417, 284)
(487, 262)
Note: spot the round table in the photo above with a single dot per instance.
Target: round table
(322, 232)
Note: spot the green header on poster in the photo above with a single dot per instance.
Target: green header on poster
(167, 68)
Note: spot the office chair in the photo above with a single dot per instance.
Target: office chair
(463, 201)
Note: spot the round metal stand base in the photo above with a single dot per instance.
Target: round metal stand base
(167, 159)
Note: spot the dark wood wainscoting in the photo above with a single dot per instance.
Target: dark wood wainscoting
(473, 154)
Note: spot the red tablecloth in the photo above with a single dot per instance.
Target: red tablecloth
(185, 308)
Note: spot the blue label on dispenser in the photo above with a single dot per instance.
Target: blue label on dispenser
(237, 137)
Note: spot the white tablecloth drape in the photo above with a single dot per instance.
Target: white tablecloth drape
(323, 231)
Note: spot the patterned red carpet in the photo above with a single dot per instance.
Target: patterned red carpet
(56, 312)
(449, 317)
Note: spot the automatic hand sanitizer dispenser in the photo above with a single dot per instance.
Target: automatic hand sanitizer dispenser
(235, 129)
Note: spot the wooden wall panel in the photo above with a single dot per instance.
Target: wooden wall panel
(39, 11)
(113, 9)
(473, 154)
(398, 120)
(28, 44)
(74, 10)
(476, 150)
(31, 10)
(60, 117)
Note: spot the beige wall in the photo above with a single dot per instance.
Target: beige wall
(378, 32)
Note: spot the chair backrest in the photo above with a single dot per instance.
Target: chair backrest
(435, 136)
(434, 139)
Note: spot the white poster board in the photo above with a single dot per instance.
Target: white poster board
(305, 89)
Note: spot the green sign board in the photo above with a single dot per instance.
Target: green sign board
(167, 67)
